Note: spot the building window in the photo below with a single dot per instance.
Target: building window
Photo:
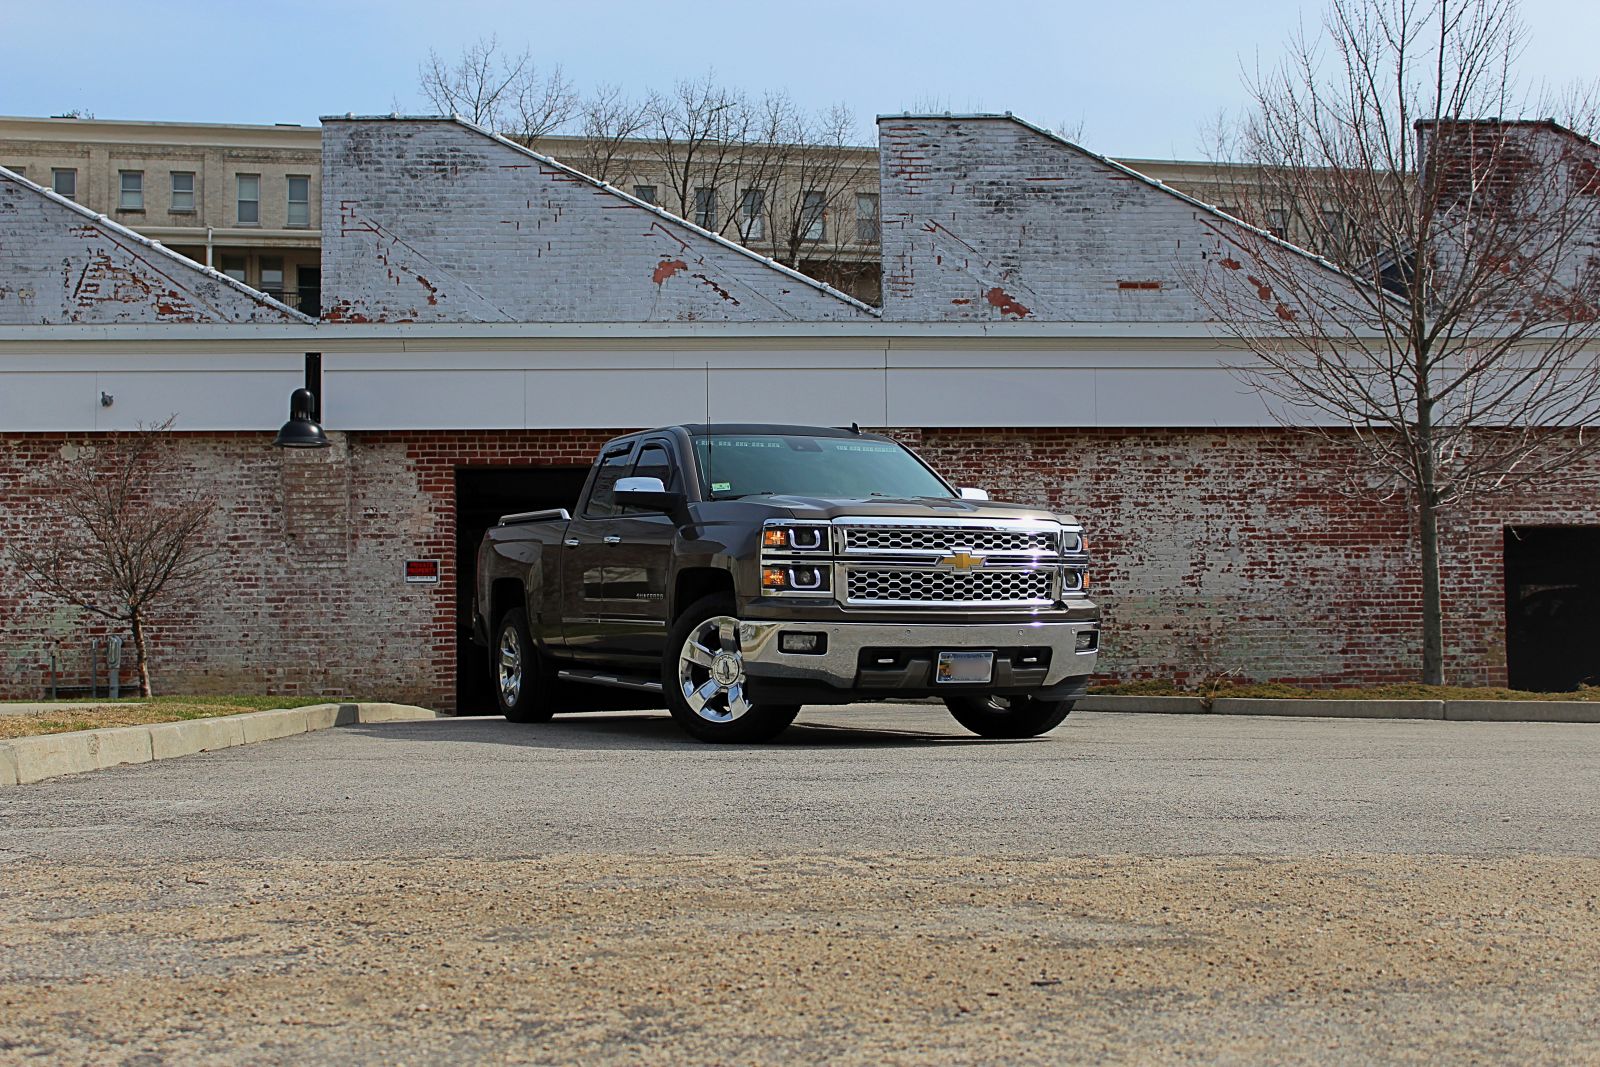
(813, 216)
(249, 200)
(272, 276)
(1278, 222)
(753, 216)
(299, 201)
(869, 223)
(705, 209)
(182, 190)
(233, 267)
(18, 169)
(647, 193)
(65, 182)
(131, 195)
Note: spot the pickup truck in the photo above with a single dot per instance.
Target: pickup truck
(737, 572)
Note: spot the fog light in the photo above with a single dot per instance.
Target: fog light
(1088, 640)
(802, 644)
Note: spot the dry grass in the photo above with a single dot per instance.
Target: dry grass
(141, 713)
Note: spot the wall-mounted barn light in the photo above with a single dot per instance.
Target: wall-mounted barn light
(304, 428)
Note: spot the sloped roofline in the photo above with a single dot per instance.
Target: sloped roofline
(1154, 183)
(550, 161)
(1424, 124)
(155, 246)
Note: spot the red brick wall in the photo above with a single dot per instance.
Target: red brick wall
(1216, 551)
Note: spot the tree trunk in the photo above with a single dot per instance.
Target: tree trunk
(141, 654)
(1432, 603)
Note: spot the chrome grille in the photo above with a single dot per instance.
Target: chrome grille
(1012, 587)
(947, 538)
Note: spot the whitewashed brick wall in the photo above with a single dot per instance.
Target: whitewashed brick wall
(432, 220)
(987, 218)
(60, 264)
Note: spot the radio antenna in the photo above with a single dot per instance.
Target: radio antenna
(711, 440)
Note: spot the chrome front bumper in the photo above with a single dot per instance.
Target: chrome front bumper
(839, 666)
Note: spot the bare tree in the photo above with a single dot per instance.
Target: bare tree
(1447, 342)
(116, 538)
(607, 122)
(492, 87)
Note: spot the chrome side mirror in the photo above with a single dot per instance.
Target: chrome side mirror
(647, 493)
(967, 493)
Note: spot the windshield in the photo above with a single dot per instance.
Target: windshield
(733, 465)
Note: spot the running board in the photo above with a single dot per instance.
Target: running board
(615, 681)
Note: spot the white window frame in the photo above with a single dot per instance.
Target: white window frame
(813, 227)
(705, 207)
(240, 200)
(291, 203)
(176, 192)
(130, 199)
(869, 226)
(753, 213)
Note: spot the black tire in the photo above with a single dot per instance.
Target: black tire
(705, 694)
(1008, 717)
(522, 684)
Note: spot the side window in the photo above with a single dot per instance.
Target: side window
(614, 466)
(656, 462)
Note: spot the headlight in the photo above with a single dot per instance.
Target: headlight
(1072, 541)
(802, 580)
(795, 539)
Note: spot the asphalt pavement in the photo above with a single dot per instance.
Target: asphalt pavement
(872, 778)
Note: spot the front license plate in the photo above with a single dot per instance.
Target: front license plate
(966, 666)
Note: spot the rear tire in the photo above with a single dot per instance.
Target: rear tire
(522, 682)
(1003, 717)
(702, 675)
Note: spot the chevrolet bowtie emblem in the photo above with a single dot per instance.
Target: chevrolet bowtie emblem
(962, 560)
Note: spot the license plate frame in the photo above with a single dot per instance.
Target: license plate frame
(964, 668)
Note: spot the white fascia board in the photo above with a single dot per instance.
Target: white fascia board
(330, 335)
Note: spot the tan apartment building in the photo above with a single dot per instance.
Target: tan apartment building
(242, 199)
(246, 199)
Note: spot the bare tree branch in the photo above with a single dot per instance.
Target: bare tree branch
(118, 537)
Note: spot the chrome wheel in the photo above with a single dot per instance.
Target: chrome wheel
(711, 670)
(510, 666)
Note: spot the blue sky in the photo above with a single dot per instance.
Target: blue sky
(1144, 79)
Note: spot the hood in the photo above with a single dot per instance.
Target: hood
(822, 508)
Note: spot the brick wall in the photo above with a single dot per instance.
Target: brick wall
(1215, 551)
(59, 264)
(434, 221)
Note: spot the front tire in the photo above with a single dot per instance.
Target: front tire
(522, 687)
(702, 675)
(1004, 717)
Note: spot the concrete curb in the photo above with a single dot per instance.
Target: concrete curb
(1332, 709)
(25, 760)
(1447, 710)
(1156, 705)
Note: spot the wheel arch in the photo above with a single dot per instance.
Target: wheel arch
(696, 583)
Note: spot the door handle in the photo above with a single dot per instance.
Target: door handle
(572, 542)
(613, 540)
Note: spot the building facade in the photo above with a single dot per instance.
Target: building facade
(494, 317)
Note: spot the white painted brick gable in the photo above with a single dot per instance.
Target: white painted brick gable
(61, 263)
(987, 218)
(435, 220)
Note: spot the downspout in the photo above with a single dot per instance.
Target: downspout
(208, 246)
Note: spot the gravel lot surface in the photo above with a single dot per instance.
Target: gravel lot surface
(873, 888)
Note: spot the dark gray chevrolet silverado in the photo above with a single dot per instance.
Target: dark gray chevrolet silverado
(740, 571)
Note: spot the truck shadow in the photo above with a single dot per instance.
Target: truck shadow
(646, 730)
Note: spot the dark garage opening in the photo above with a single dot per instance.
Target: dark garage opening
(1552, 607)
(483, 494)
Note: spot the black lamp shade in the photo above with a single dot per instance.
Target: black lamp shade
(301, 431)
